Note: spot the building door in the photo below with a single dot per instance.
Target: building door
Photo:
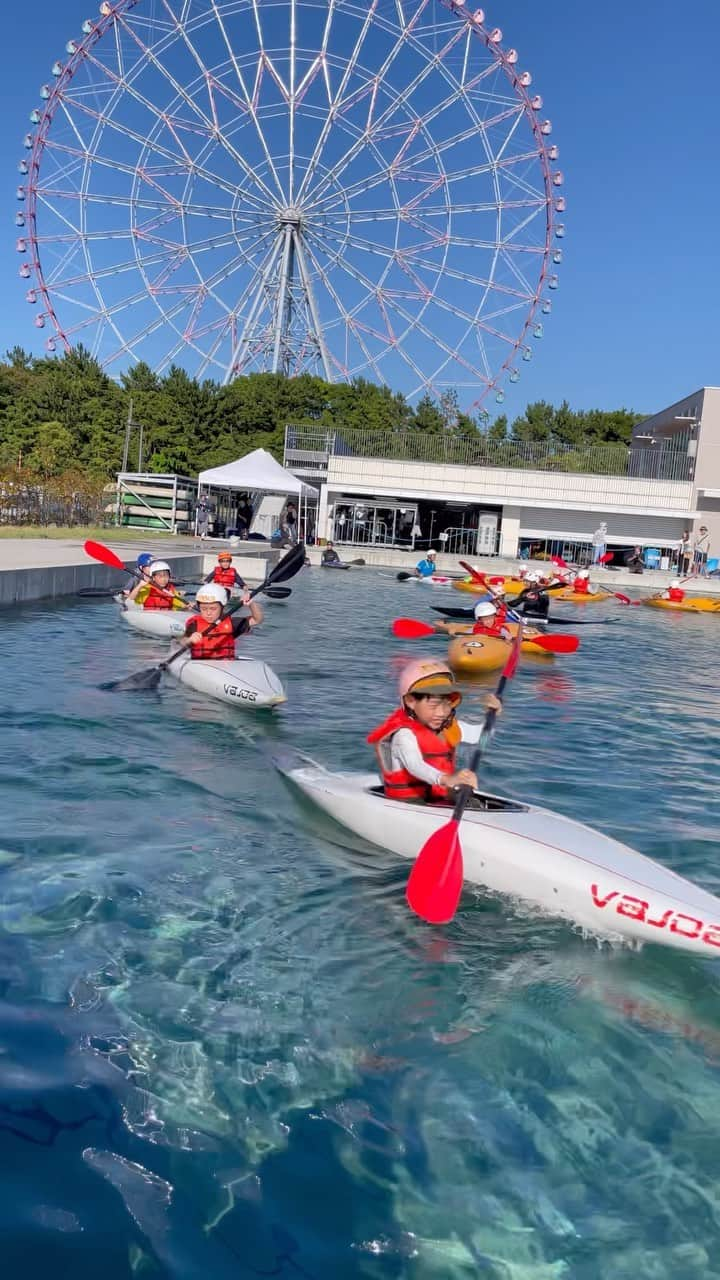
(487, 534)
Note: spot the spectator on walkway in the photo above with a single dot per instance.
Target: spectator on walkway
(599, 542)
(203, 512)
(701, 548)
(683, 564)
(634, 561)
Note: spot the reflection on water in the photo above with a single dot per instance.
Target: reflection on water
(229, 1049)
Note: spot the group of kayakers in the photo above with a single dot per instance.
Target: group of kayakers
(208, 634)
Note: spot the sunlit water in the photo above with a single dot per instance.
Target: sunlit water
(228, 1050)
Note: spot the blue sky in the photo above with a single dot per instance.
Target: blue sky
(631, 91)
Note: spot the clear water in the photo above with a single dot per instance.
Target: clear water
(227, 1049)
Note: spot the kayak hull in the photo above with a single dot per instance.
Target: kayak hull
(162, 623)
(475, 655)
(579, 597)
(527, 646)
(533, 855)
(694, 604)
(240, 682)
(513, 586)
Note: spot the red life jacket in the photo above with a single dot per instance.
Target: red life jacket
(224, 577)
(581, 586)
(155, 599)
(438, 749)
(221, 644)
(676, 593)
(495, 628)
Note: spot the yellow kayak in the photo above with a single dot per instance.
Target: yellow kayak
(513, 586)
(527, 646)
(472, 655)
(579, 597)
(693, 604)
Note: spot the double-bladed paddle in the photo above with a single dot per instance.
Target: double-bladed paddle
(98, 551)
(149, 678)
(412, 629)
(435, 883)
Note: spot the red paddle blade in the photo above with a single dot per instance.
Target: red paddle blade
(474, 573)
(623, 599)
(606, 558)
(557, 644)
(97, 551)
(411, 629)
(435, 883)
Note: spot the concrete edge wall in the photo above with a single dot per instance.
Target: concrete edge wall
(19, 586)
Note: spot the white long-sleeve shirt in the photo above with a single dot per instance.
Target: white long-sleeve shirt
(405, 753)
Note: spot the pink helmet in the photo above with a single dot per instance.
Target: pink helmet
(428, 675)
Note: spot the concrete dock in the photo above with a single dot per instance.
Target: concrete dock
(48, 568)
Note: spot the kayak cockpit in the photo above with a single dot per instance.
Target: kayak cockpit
(479, 802)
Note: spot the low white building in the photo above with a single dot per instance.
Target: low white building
(470, 496)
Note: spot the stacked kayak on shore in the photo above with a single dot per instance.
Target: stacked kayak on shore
(530, 854)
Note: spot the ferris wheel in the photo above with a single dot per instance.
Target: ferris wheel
(354, 189)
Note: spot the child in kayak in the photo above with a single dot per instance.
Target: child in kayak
(158, 592)
(330, 555)
(142, 564)
(224, 573)
(673, 592)
(581, 585)
(417, 743)
(211, 599)
(490, 617)
(426, 568)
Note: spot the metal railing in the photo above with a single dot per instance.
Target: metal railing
(59, 501)
(308, 448)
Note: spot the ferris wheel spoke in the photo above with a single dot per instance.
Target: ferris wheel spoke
(247, 98)
(333, 100)
(346, 317)
(400, 100)
(207, 122)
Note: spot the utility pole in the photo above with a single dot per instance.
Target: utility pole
(128, 429)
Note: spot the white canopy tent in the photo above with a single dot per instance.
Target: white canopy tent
(259, 472)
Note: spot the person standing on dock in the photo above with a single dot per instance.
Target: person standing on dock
(599, 542)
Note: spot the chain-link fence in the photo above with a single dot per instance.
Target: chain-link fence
(62, 500)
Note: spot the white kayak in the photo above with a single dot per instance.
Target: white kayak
(542, 858)
(242, 682)
(164, 623)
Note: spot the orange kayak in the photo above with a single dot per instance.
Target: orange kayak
(527, 646)
(693, 604)
(580, 597)
(472, 655)
(513, 586)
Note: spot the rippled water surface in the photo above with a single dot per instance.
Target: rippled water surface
(227, 1049)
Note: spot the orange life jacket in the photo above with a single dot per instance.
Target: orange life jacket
(156, 599)
(437, 749)
(494, 629)
(221, 644)
(224, 577)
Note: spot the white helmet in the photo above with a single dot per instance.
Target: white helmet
(583, 573)
(534, 576)
(159, 566)
(484, 609)
(211, 592)
(431, 554)
(675, 582)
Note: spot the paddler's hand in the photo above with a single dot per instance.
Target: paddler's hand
(463, 778)
(245, 597)
(493, 703)
(195, 638)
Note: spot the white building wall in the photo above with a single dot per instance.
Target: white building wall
(602, 495)
(579, 526)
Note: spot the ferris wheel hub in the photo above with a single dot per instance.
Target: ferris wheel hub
(290, 216)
